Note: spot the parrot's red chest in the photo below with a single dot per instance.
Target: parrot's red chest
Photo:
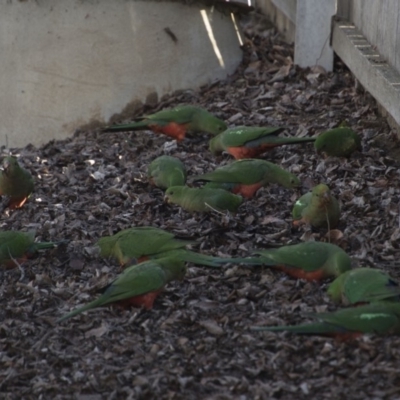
(17, 203)
(11, 264)
(301, 274)
(145, 300)
(346, 336)
(249, 152)
(174, 130)
(247, 191)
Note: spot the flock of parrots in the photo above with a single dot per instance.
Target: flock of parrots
(152, 257)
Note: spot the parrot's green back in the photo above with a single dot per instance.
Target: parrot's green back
(15, 181)
(137, 242)
(17, 245)
(196, 119)
(251, 137)
(166, 171)
(363, 285)
(203, 121)
(309, 256)
(379, 318)
(251, 171)
(136, 280)
(318, 208)
(200, 259)
(339, 142)
(203, 199)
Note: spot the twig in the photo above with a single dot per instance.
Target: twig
(17, 264)
(329, 226)
(218, 212)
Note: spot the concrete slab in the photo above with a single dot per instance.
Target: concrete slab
(66, 63)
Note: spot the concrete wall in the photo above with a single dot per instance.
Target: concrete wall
(379, 21)
(67, 63)
(283, 17)
(307, 23)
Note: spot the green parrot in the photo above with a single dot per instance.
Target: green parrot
(175, 122)
(317, 208)
(137, 285)
(245, 177)
(339, 142)
(363, 285)
(166, 171)
(15, 182)
(312, 261)
(146, 242)
(203, 199)
(20, 246)
(348, 323)
(247, 142)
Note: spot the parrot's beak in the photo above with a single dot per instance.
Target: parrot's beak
(166, 199)
(326, 197)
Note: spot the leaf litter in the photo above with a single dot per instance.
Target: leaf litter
(195, 343)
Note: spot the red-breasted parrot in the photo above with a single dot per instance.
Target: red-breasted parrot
(15, 182)
(339, 142)
(138, 285)
(363, 285)
(312, 261)
(20, 246)
(245, 177)
(175, 122)
(203, 199)
(317, 208)
(247, 141)
(146, 242)
(382, 318)
(166, 171)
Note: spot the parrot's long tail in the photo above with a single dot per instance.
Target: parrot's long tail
(300, 140)
(216, 262)
(133, 126)
(49, 245)
(317, 328)
(93, 304)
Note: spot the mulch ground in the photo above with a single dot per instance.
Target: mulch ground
(196, 342)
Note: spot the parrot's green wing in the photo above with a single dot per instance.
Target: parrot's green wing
(379, 318)
(136, 280)
(363, 285)
(138, 242)
(14, 244)
(241, 135)
(247, 171)
(166, 171)
(318, 208)
(203, 199)
(203, 121)
(202, 259)
(339, 142)
(300, 205)
(255, 136)
(251, 138)
(251, 171)
(21, 245)
(195, 118)
(309, 257)
(15, 182)
(179, 115)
